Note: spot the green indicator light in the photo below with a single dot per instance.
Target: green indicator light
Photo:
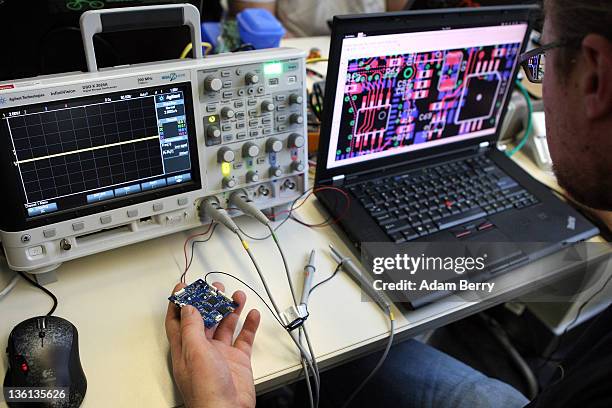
(273, 68)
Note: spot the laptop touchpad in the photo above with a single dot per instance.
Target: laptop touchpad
(501, 252)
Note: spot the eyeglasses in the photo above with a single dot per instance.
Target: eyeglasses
(534, 61)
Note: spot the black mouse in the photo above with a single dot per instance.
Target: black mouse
(44, 352)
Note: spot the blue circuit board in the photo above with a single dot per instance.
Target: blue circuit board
(212, 304)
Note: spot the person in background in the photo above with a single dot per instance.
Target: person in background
(306, 18)
(213, 371)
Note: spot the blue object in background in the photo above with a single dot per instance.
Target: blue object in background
(210, 32)
(259, 28)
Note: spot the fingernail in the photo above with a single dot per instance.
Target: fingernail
(186, 311)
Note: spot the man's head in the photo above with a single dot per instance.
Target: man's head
(578, 97)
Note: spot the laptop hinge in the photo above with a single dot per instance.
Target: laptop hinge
(338, 180)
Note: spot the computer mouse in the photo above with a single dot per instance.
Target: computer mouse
(44, 352)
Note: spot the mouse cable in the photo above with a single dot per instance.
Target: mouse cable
(47, 291)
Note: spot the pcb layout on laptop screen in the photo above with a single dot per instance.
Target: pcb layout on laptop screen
(402, 92)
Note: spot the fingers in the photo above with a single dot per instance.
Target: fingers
(173, 324)
(192, 330)
(246, 337)
(210, 332)
(225, 331)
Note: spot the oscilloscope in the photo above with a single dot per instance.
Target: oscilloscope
(93, 161)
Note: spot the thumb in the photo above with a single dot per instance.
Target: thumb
(192, 327)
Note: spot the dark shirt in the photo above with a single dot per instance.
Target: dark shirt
(587, 371)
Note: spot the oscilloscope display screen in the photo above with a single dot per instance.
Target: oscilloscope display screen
(96, 150)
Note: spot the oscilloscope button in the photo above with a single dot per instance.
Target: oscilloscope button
(252, 177)
(250, 150)
(297, 166)
(267, 106)
(251, 78)
(227, 113)
(229, 182)
(296, 140)
(296, 119)
(273, 145)
(225, 155)
(295, 99)
(275, 171)
(212, 84)
(213, 132)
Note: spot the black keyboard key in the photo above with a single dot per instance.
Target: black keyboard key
(420, 230)
(385, 219)
(453, 220)
(398, 238)
(396, 226)
(410, 234)
(376, 211)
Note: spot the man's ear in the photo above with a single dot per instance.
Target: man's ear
(597, 75)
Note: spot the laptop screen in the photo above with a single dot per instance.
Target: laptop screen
(402, 92)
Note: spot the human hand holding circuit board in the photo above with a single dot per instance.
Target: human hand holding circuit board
(210, 368)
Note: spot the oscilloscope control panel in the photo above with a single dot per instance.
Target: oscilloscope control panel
(94, 161)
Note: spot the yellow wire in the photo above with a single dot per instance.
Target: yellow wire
(208, 47)
(317, 59)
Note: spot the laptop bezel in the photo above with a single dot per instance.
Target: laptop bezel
(386, 23)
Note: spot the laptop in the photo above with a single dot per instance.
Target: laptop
(414, 104)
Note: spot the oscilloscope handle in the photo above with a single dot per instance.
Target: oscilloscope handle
(135, 18)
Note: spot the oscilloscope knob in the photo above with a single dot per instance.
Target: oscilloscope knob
(227, 113)
(252, 177)
(213, 131)
(295, 99)
(267, 106)
(229, 182)
(225, 155)
(273, 145)
(250, 149)
(251, 78)
(275, 171)
(297, 166)
(212, 84)
(296, 119)
(296, 140)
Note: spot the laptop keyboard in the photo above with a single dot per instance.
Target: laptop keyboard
(425, 201)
